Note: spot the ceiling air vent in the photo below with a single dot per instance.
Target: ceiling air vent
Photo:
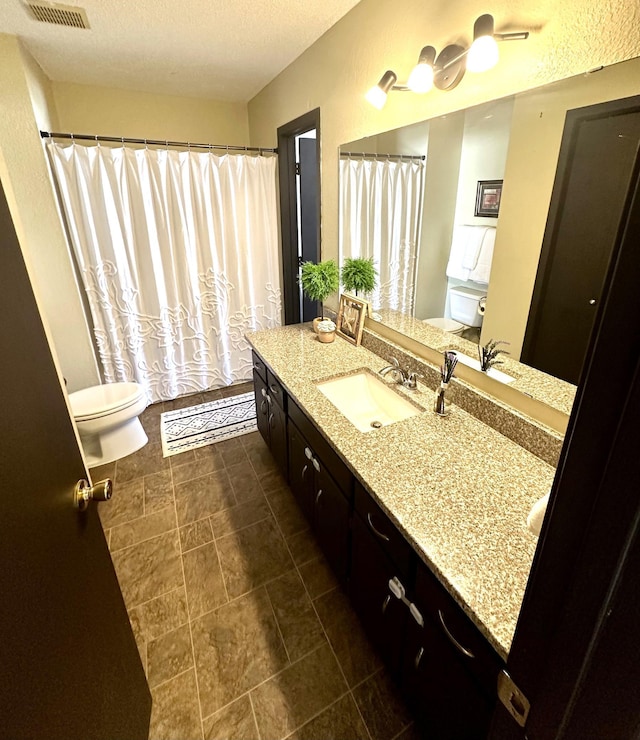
(61, 15)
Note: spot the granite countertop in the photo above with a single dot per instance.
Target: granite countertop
(458, 490)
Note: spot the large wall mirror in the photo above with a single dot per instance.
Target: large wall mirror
(453, 211)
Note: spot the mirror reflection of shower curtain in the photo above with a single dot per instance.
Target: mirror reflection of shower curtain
(380, 210)
(178, 254)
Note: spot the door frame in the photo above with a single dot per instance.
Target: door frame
(288, 211)
(574, 118)
(592, 513)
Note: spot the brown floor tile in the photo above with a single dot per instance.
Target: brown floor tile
(169, 655)
(143, 528)
(151, 425)
(197, 466)
(236, 647)
(203, 580)
(149, 569)
(232, 451)
(126, 503)
(203, 496)
(103, 471)
(304, 547)
(213, 395)
(236, 389)
(158, 491)
(233, 722)
(195, 534)
(412, 732)
(318, 577)
(295, 695)
(299, 626)
(352, 648)
(382, 709)
(240, 516)
(175, 714)
(184, 402)
(261, 459)
(245, 482)
(143, 462)
(182, 458)
(253, 439)
(287, 512)
(160, 615)
(253, 556)
(341, 721)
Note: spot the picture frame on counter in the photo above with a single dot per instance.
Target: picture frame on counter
(351, 315)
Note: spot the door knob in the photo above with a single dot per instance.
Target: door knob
(84, 493)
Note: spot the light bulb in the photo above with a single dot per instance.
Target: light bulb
(483, 54)
(377, 97)
(421, 78)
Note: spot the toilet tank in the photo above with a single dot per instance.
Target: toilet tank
(463, 305)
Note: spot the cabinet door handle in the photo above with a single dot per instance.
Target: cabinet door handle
(308, 453)
(263, 407)
(318, 496)
(304, 472)
(418, 658)
(385, 603)
(316, 464)
(264, 392)
(270, 420)
(375, 531)
(452, 639)
(274, 389)
(257, 367)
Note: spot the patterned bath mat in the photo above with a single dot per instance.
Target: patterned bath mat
(198, 426)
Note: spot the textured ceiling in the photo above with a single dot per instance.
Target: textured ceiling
(216, 49)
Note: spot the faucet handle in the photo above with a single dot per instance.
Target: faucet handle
(412, 380)
(395, 362)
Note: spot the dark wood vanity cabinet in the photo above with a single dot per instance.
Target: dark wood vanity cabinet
(314, 472)
(449, 671)
(271, 411)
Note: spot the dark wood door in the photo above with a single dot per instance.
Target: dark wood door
(69, 665)
(332, 522)
(591, 193)
(309, 213)
(301, 472)
(262, 406)
(383, 615)
(278, 435)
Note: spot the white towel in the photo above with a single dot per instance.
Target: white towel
(458, 247)
(472, 247)
(536, 515)
(482, 270)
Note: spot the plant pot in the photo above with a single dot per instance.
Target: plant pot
(316, 321)
(326, 336)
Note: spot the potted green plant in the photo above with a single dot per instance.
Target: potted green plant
(319, 281)
(358, 274)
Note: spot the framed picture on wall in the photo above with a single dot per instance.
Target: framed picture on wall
(351, 315)
(488, 196)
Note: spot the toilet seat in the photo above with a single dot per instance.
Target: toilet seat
(450, 325)
(100, 400)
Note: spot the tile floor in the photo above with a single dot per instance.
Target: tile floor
(241, 626)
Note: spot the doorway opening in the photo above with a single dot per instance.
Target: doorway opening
(299, 174)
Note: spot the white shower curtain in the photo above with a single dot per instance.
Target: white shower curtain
(178, 253)
(380, 207)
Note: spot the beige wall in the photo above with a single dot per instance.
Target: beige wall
(83, 109)
(536, 133)
(24, 102)
(571, 37)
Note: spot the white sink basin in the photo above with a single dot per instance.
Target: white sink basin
(367, 401)
(492, 372)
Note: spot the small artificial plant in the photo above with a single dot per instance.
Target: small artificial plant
(358, 274)
(489, 354)
(319, 280)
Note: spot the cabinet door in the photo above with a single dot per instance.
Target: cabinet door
(448, 702)
(332, 522)
(262, 406)
(277, 423)
(383, 615)
(301, 472)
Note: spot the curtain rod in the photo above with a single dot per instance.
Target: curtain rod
(155, 142)
(383, 156)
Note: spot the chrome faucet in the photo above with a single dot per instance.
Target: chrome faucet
(401, 376)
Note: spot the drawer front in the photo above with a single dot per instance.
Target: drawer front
(339, 471)
(275, 390)
(385, 533)
(259, 366)
(467, 641)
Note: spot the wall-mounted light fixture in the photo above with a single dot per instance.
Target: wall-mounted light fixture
(445, 70)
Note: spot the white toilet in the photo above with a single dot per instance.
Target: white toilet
(107, 420)
(464, 306)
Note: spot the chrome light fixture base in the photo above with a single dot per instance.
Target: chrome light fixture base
(450, 67)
